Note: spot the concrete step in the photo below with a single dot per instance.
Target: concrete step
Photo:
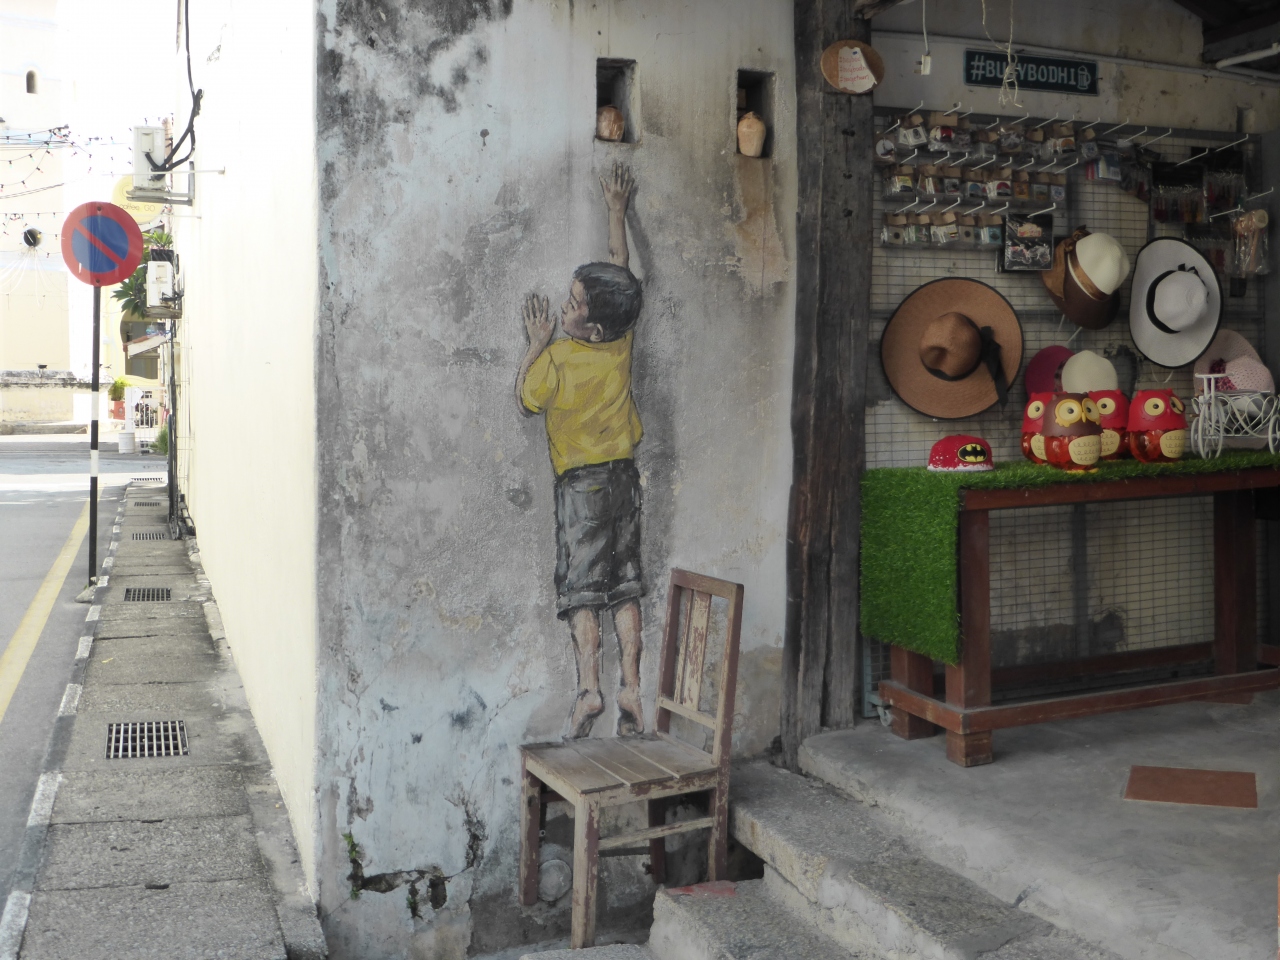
(728, 921)
(616, 951)
(842, 869)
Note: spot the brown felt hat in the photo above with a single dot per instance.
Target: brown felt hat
(1084, 280)
(942, 344)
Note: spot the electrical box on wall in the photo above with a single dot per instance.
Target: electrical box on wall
(164, 299)
(159, 283)
(149, 141)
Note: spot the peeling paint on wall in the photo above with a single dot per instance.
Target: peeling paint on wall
(458, 171)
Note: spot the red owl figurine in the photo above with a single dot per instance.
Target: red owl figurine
(1033, 427)
(1113, 412)
(1157, 426)
(1072, 433)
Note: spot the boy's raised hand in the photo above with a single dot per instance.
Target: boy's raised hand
(617, 187)
(537, 320)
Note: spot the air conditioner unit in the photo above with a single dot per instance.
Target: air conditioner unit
(163, 300)
(149, 140)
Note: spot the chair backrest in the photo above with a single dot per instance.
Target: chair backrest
(682, 665)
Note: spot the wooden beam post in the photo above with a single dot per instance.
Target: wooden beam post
(835, 134)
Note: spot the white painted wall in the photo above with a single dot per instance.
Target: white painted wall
(247, 346)
(33, 284)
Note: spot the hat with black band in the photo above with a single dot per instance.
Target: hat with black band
(952, 348)
(1176, 303)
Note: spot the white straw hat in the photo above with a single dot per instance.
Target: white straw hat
(1088, 371)
(1176, 303)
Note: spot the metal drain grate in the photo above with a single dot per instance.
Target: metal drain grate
(146, 503)
(149, 738)
(146, 594)
(152, 535)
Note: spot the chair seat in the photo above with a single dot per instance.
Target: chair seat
(620, 769)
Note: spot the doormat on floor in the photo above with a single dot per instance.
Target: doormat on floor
(1210, 788)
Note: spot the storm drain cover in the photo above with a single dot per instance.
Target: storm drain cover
(148, 738)
(148, 479)
(152, 535)
(146, 503)
(146, 594)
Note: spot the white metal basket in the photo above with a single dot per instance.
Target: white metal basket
(1219, 416)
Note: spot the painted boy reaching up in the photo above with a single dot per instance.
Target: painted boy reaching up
(582, 384)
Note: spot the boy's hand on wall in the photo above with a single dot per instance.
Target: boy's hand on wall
(617, 187)
(537, 320)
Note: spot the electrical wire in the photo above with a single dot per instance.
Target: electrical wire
(924, 26)
(170, 163)
(1008, 82)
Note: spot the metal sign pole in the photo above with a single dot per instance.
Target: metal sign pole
(93, 438)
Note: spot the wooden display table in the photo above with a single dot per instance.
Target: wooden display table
(967, 714)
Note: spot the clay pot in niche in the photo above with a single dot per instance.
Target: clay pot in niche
(751, 134)
(610, 124)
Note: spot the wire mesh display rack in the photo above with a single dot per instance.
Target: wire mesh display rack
(1074, 581)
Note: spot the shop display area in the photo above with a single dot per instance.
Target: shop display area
(1047, 827)
(1130, 581)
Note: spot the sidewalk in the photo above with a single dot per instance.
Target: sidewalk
(182, 856)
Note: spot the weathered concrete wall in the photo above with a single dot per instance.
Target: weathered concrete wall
(458, 172)
(246, 351)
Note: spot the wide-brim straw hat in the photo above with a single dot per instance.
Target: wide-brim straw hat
(972, 390)
(1173, 278)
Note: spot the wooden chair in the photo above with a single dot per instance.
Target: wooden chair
(593, 774)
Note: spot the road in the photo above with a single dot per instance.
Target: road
(44, 490)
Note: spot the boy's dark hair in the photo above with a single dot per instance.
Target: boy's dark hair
(613, 297)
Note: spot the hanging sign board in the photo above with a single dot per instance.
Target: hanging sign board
(101, 243)
(985, 68)
(852, 66)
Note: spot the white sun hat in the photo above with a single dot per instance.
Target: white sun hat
(1176, 303)
(1089, 371)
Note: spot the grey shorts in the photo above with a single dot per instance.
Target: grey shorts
(597, 536)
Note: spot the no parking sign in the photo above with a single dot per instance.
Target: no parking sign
(101, 243)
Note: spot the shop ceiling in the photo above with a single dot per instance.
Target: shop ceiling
(1239, 31)
(1236, 32)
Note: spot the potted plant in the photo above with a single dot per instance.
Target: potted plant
(132, 294)
(115, 393)
(161, 245)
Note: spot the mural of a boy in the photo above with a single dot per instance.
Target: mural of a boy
(581, 383)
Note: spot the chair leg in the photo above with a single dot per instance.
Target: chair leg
(658, 847)
(586, 859)
(718, 851)
(530, 835)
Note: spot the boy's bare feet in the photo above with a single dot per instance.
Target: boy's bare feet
(630, 713)
(588, 706)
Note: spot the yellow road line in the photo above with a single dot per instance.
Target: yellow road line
(14, 659)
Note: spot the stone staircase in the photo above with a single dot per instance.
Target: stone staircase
(839, 884)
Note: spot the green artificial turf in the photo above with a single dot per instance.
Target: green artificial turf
(910, 516)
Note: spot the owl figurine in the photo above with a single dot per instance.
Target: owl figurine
(1113, 412)
(1033, 427)
(1072, 433)
(1157, 426)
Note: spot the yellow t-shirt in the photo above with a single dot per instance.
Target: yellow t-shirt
(585, 390)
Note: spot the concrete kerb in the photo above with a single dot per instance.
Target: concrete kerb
(295, 912)
(13, 921)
